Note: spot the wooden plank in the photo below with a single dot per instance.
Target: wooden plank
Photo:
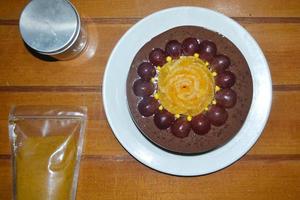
(134, 181)
(25, 69)
(128, 179)
(233, 8)
(279, 49)
(279, 137)
(278, 41)
(131, 8)
(92, 100)
(6, 179)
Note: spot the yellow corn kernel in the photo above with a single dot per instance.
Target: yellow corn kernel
(196, 55)
(156, 96)
(168, 58)
(160, 107)
(217, 88)
(214, 102)
(177, 116)
(189, 118)
(214, 74)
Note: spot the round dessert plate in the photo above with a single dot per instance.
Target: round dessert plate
(116, 106)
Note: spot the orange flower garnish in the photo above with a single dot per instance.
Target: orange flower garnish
(185, 86)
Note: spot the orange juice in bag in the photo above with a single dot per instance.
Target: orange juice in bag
(46, 148)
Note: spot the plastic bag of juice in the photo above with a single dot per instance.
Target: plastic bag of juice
(46, 149)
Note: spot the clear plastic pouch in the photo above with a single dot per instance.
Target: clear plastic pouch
(46, 149)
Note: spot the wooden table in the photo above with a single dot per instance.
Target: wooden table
(271, 170)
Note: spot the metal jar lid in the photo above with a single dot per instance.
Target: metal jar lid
(49, 26)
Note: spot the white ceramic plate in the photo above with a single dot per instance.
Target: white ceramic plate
(115, 100)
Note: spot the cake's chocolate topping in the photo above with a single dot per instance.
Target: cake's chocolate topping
(208, 50)
(226, 98)
(181, 128)
(190, 46)
(220, 63)
(157, 57)
(200, 124)
(143, 88)
(225, 79)
(173, 49)
(217, 115)
(146, 71)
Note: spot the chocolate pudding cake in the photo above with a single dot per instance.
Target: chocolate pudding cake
(189, 90)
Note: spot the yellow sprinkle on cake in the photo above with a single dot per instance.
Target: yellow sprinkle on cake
(214, 73)
(169, 58)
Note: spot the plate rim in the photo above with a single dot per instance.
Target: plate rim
(267, 88)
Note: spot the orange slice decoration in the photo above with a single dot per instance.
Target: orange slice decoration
(185, 86)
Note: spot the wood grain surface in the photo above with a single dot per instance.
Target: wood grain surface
(126, 179)
(140, 8)
(279, 41)
(270, 170)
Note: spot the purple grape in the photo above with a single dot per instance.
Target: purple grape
(148, 106)
(181, 128)
(190, 46)
(225, 79)
(217, 115)
(220, 63)
(163, 119)
(146, 71)
(226, 98)
(173, 49)
(208, 50)
(200, 124)
(157, 57)
(143, 88)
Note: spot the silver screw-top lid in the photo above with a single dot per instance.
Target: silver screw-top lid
(49, 26)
